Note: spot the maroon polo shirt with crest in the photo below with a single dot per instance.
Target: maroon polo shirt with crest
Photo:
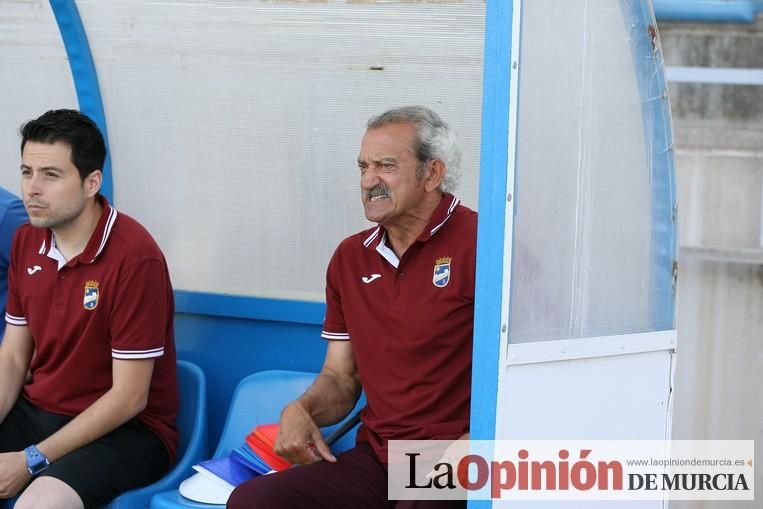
(410, 322)
(112, 301)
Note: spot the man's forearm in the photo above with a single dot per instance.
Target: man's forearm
(330, 397)
(127, 397)
(105, 415)
(12, 377)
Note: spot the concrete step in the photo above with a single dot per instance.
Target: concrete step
(715, 45)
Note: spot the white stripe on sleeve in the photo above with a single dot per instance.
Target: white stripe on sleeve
(15, 320)
(340, 336)
(137, 354)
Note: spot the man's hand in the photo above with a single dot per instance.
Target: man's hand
(13, 473)
(299, 439)
(332, 394)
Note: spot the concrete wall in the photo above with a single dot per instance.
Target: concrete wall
(718, 133)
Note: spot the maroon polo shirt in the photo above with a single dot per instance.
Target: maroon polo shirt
(112, 301)
(410, 322)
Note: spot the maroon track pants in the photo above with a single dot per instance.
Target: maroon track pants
(357, 480)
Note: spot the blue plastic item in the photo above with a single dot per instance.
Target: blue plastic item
(193, 446)
(258, 399)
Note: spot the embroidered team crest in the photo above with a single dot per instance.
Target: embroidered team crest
(441, 275)
(91, 295)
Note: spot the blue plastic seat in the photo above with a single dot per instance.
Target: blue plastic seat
(193, 445)
(258, 399)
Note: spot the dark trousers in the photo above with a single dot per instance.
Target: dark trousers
(356, 481)
(129, 457)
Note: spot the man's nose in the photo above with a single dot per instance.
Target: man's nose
(32, 185)
(369, 179)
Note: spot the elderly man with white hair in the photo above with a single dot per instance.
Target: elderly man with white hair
(399, 323)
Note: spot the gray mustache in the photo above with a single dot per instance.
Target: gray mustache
(378, 190)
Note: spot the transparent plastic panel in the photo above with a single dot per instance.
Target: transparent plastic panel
(235, 125)
(583, 258)
(34, 77)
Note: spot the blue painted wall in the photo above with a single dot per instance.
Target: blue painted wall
(228, 349)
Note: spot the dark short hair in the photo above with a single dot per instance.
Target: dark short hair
(73, 128)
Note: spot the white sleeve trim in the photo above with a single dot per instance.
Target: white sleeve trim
(15, 320)
(339, 336)
(137, 354)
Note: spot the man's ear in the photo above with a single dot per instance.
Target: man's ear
(434, 175)
(93, 183)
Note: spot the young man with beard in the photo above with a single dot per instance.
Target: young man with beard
(90, 316)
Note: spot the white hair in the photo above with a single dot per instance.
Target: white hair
(434, 140)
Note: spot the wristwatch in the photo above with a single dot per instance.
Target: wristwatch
(36, 461)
